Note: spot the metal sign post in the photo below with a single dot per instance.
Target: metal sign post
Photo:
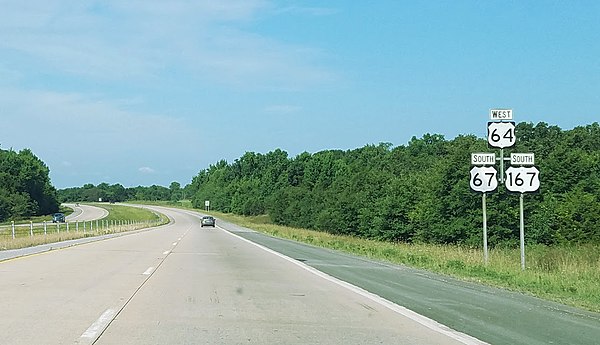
(522, 232)
(522, 180)
(485, 244)
(483, 179)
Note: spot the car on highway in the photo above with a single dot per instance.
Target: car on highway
(208, 221)
(58, 218)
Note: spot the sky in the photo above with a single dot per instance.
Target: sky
(146, 92)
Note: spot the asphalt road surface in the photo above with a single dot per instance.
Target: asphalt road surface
(182, 284)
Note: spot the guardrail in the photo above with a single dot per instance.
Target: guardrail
(81, 228)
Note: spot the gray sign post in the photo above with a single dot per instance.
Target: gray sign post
(483, 179)
(522, 180)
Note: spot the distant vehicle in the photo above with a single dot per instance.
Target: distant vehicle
(58, 218)
(208, 221)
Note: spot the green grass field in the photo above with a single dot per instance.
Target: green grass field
(122, 212)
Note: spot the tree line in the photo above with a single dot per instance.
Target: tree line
(417, 192)
(118, 193)
(25, 188)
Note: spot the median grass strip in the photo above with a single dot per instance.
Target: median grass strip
(121, 218)
(118, 212)
(569, 275)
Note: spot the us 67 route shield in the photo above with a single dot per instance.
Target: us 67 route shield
(483, 179)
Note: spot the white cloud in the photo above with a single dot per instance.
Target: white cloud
(121, 40)
(146, 170)
(85, 126)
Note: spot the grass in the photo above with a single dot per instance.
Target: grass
(184, 204)
(120, 219)
(568, 275)
(122, 212)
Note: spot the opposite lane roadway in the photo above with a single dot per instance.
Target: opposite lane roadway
(85, 212)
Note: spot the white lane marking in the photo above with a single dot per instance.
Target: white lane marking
(174, 243)
(166, 252)
(179, 239)
(100, 324)
(148, 271)
(423, 320)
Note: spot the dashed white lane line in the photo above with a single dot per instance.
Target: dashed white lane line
(166, 252)
(174, 243)
(148, 271)
(100, 324)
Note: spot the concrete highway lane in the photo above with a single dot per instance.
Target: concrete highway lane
(182, 284)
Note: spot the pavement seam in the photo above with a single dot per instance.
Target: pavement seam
(149, 274)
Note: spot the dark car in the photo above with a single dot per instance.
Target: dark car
(58, 218)
(208, 221)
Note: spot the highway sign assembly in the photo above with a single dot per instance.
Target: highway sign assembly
(522, 177)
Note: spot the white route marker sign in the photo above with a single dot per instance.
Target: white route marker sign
(501, 114)
(501, 134)
(522, 159)
(522, 179)
(483, 158)
(483, 179)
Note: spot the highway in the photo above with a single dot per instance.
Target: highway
(182, 284)
(85, 212)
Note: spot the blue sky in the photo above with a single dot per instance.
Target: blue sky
(149, 92)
